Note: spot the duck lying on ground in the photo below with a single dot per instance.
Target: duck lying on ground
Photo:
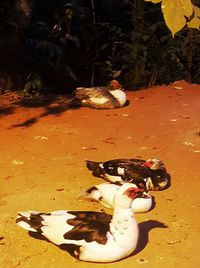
(109, 97)
(104, 194)
(87, 235)
(151, 171)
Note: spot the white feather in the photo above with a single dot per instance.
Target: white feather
(119, 95)
(105, 193)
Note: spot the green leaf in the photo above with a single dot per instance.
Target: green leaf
(174, 13)
(186, 7)
(195, 21)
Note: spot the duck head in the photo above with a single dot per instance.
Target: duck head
(126, 194)
(114, 84)
(154, 164)
(157, 183)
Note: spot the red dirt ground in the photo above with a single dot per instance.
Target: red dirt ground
(43, 148)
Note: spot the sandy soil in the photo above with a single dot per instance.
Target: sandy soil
(43, 148)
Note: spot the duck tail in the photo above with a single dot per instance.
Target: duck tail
(90, 194)
(30, 221)
(74, 101)
(91, 165)
(95, 167)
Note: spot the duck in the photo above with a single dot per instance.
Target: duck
(107, 97)
(151, 171)
(90, 235)
(104, 194)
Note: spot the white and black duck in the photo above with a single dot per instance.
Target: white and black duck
(104, 194)
(87, 235)
(108, 97)
(152, 172)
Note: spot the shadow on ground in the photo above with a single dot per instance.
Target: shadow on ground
(53, 105)
(6, 111)
(144, 229)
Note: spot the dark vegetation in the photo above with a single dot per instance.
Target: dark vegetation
(57, 45)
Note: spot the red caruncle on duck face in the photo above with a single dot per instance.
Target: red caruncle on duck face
(115, 84)
(148, 163)
(134, 192)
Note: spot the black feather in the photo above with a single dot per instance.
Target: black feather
(88, 225)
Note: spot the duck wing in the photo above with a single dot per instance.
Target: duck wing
(137, 172)
(124, 162)
(90, 226)
(97, 97)
(118, 166)
(60, 227)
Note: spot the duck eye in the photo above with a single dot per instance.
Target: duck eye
(141, 185)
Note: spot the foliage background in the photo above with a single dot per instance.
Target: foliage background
(57, 45)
